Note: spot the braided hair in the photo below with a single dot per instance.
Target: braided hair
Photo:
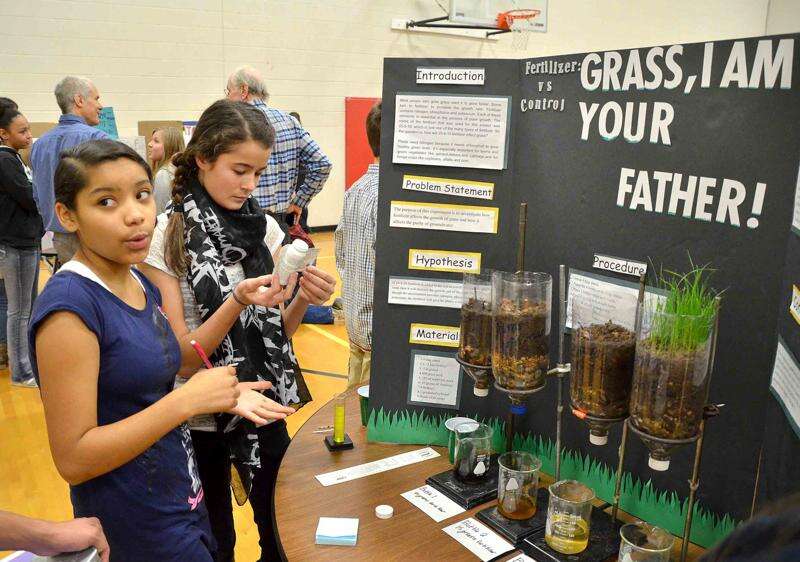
(221, 127)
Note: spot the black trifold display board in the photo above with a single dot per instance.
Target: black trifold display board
(728, 114)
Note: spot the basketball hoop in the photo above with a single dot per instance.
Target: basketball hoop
(520, 22)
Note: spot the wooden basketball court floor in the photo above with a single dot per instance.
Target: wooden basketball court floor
(30, 484)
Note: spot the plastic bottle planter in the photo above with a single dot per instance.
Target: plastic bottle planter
(670, 380)
(521, 329)
(602, 369)
(475, 345)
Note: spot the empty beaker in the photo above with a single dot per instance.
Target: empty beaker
(642, 542)
(451, 424)
(568, 516)
(473, 451)
(517, 485)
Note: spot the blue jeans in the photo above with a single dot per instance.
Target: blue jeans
(21, 274)
(3, 311)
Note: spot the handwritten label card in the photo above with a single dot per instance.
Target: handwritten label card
(435, 504)
(522, 558)
(479, 539)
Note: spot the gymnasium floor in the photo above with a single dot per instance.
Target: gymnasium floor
(30, 484)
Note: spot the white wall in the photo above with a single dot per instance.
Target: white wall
(783, 17)
(167, 59)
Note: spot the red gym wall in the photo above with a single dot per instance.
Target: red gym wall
(357, 154)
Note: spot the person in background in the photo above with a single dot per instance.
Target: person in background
(49, 538)
(20, 240)
(301, 179)
(4, 102)
(355, 256)
(164, 144)
(80, 106)
(295, 152)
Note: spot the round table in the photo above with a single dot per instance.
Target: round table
(300, 500)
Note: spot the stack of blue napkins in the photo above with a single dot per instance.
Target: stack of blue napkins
(337, 530)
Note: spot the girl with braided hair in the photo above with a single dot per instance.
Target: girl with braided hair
(211, 255)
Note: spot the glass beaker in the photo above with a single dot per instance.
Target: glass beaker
(642, 542)
(568, 516)
(521, 329)
(517, 485)
(473, 451)
(451, 424)
(603, 347)
(475, 346)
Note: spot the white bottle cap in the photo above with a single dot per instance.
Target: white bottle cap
(598, 439)
(658, 465)
(480, 391)
(384, 511)
(300, 245)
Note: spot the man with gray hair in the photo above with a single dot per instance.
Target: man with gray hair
(80, 107)
(295, 152)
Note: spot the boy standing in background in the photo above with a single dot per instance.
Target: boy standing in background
(355, 256)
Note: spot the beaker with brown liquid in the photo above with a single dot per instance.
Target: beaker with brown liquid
(517, 485)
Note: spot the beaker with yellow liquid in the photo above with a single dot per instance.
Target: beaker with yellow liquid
(568, 515)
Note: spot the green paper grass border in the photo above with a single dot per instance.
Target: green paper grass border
(642, 500)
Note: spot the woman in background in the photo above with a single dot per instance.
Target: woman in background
(164, 144)
(21, 232)
(4, 102)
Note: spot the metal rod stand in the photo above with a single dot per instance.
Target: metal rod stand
(620, 464)
(523, 224)
(709, 411)
(561, 369)
(623, 444)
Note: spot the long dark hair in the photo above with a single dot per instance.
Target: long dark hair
(221, 127)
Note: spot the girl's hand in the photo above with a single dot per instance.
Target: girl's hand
(264, 290)
(256, 407)
(210, 391)
(316, 286)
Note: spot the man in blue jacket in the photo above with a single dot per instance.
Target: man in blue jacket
(80, 107)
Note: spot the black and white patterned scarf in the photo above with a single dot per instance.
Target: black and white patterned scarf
(256, 343)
